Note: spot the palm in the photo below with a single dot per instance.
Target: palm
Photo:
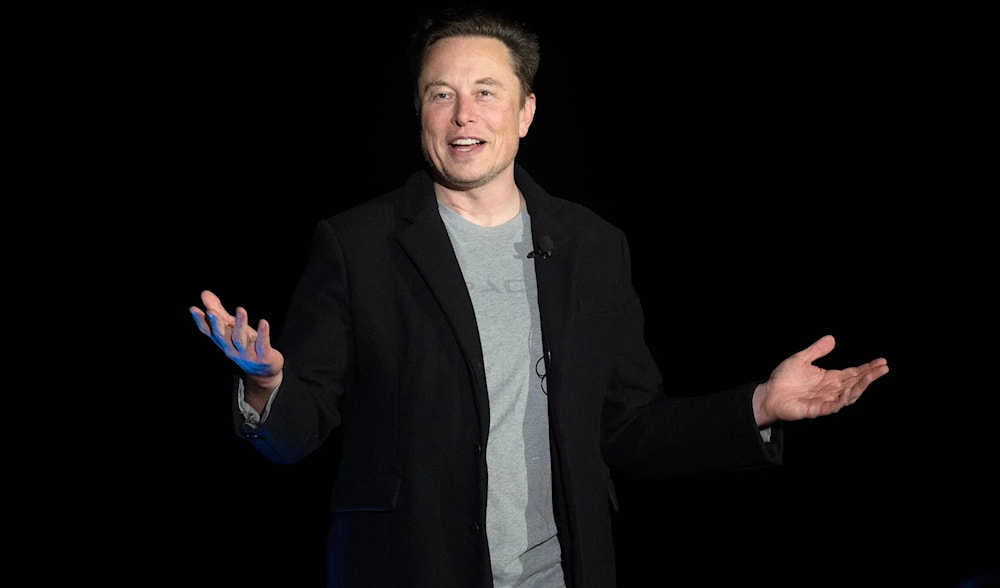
(249, 348)
(798, 389)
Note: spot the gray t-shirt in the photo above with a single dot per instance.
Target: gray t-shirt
(520, 526)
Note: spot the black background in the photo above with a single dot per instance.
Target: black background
(784, 170)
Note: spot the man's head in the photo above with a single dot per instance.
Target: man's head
(473, 73)
(454, 22)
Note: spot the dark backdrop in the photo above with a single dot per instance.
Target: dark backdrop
(784, 170)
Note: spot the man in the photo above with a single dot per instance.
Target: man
(479, 346)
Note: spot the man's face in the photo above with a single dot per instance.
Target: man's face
(471, 117)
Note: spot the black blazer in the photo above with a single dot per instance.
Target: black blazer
(380, 341)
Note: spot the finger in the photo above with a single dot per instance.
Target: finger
(219, 327)
(242, 333)
(199, 320)
(878, 366)
(212, 303)
(218, 332)
(869, 373)
(209, 299)
(263, 342)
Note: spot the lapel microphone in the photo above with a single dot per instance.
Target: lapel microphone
(543, 248)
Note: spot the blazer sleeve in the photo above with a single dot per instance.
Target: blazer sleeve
(316, 344)
(650, 430)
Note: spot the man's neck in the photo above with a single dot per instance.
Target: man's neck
(487, 206)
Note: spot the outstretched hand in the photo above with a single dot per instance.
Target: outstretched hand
(250, 349)
(798, 390)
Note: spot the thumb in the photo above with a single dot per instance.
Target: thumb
(821, 347)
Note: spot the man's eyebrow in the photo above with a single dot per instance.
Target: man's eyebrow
(488, 81)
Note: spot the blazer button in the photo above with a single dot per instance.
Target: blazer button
(477, 449)
(474, 529)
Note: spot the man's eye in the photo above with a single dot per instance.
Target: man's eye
(485, 93)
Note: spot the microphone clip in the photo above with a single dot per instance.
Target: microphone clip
(543, 248)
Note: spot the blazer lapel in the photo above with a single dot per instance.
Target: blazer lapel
(553, 274)
(424, 238)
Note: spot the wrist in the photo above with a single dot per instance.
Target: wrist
(760, 414)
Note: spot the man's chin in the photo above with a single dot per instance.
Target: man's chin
(461, 182)
(463, 179)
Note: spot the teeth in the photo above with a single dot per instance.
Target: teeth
(465, 142)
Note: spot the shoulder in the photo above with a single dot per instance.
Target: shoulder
(407, 201)
(546, 208)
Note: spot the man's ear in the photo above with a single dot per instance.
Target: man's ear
(527, 114)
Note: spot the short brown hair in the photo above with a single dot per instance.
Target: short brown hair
(476, 21)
